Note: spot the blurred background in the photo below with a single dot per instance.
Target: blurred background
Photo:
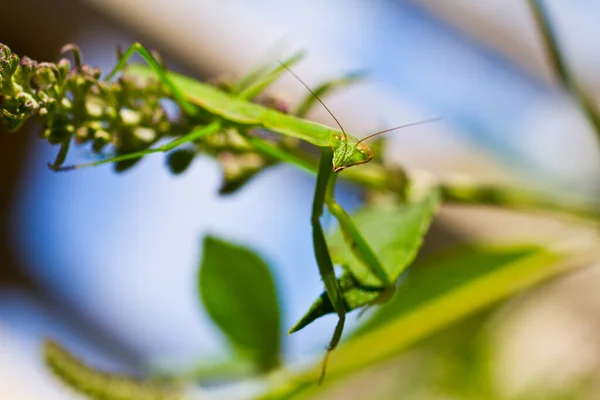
(107, 263)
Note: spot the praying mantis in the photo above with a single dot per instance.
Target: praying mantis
(338, 150)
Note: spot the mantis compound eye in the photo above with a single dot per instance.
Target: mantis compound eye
(365, 151)
(336, 140)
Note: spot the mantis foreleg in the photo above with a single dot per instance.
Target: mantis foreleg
(323, 258)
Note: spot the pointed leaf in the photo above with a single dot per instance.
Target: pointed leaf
(326, 88)
(238, 292)
(262, 83)
(395, 233)
(444, 272)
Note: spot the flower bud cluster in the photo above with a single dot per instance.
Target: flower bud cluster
(72, 102)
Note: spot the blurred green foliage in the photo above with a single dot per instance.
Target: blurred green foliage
(238, 292)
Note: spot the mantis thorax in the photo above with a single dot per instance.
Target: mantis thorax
(348, 152)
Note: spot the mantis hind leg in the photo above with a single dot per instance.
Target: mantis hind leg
(332, 288)
(195, 134)
(160, 72)
(187, 107)
(326, 270)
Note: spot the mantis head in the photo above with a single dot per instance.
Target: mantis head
(351, 151)
(348, 152)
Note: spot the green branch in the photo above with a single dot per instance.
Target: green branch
(559, 65)
(515, 198)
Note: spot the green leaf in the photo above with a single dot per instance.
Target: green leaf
(239, 294)
(442, 273)
(258, 73)
(326, 88)
(395, 233)
(445, 290)
(261, 83)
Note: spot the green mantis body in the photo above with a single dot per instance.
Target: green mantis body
(339, 150)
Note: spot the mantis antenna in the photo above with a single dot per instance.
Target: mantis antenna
(425, 121)
(316, 97)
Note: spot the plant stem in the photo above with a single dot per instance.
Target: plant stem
(515, 198)
(379, 177)
(558, 62)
